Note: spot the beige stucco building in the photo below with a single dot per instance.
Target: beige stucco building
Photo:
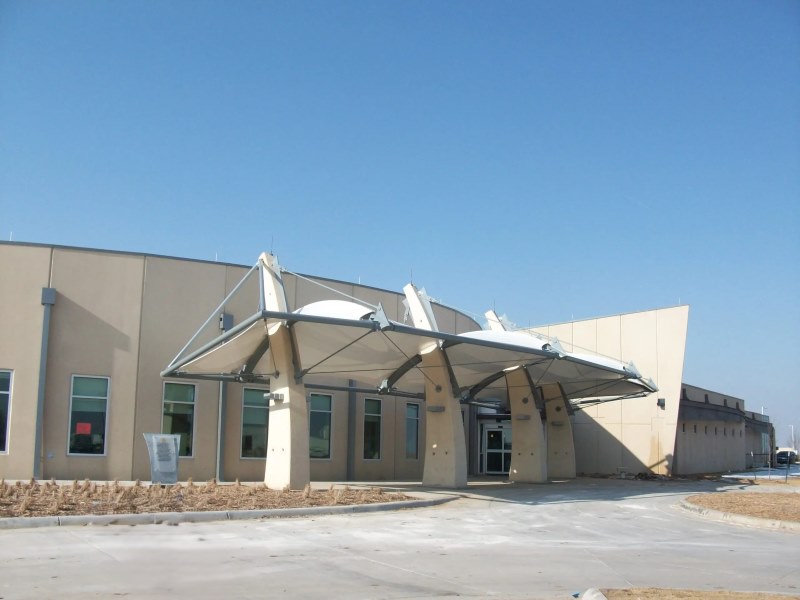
(716, 434)
(87, 333)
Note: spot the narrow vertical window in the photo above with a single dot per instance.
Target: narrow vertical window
(179, 414)
(255, 421)
(319, 426)
(87, 415)
(5, 407)
(412, 430)
(372, 429)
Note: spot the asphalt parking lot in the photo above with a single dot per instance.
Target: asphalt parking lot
(495, 540)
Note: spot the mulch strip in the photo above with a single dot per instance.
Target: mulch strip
(40, 499)
(781, 506)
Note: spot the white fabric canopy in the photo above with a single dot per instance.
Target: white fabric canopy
(347, 340)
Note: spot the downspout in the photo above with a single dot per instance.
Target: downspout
(225, 324)
(48, 300)
(351, 431)
(223, 401)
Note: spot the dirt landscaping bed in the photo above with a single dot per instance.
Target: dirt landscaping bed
(40, 499)
(665, 594)
(772, 503)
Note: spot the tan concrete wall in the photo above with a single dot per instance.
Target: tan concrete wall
(408, 469)
(698, 394)
(382, 468)
(178, 297)
(24, 271)
(245, 469)
(94, 331)
(125, 316)
(335, 467)
(710, 446)
(634, 435)
(392, 464)
(711, 433)
(241, 305)
(755, 452)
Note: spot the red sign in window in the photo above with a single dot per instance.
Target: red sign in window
(83, 428)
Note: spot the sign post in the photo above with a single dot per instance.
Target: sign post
(163, 451)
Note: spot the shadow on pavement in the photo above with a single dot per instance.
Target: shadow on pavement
(582, 489)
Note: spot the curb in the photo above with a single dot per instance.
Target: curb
(717, 515)
(174, 518)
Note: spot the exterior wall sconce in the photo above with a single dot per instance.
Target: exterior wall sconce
(661, 402)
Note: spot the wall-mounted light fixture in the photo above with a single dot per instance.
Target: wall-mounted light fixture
(661, 402)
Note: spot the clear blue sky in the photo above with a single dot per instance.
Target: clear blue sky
(550, 159)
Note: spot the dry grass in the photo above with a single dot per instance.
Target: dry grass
(38, 499)
(783, 506)
(777, 481)
(666, 594)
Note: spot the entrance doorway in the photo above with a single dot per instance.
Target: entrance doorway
(496, 448)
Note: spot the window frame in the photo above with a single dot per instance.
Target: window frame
(241, 424)
(105, 424)
(330, 426)
(193, 404)
(416, 424)
(364, 430)
(10, 393)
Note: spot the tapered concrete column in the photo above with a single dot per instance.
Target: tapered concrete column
(445, 446)
(529, 449)
(288, 463)
(560, 441)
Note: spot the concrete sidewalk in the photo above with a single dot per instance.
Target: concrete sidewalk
(494, 540)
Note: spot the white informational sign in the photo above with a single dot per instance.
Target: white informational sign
(163, 450)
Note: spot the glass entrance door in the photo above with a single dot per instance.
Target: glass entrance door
(497, 450)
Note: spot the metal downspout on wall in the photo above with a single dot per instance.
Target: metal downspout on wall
(351, 430)
(48, 300)
(225, 324)
(223, 402)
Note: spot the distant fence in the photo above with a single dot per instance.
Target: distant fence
(754, 460)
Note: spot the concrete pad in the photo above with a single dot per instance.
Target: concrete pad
(515, 541)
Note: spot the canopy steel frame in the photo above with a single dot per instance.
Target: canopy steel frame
(375, 321)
